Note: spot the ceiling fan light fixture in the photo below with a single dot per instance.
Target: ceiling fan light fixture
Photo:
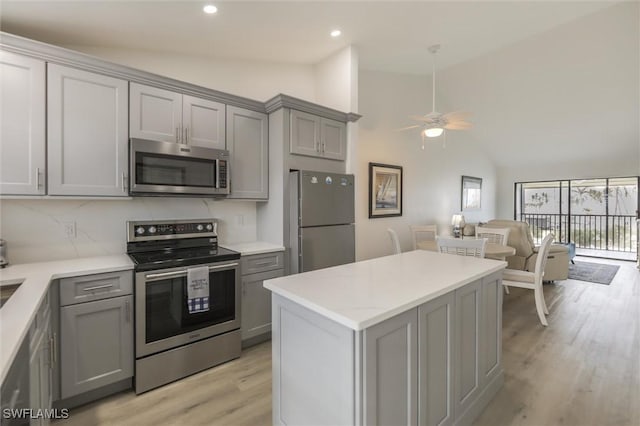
(433, 132)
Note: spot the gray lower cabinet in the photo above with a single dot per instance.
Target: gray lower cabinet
(96, 347)
(256, 300)
(41, 360)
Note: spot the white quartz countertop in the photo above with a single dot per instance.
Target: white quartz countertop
(19, 311)
(361, 294)
(254, 247)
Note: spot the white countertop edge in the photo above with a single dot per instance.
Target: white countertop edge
(18, 319)
(254, 247)
(378, 318)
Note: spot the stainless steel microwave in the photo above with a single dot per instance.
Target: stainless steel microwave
(172, 169)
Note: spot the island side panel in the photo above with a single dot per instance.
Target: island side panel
(313, 367)
(390, 369)
(435, 361)
(491, 354)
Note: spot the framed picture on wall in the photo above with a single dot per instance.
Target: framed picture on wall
(385, 190)
(471, 193)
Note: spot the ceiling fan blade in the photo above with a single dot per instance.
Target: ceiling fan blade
(458, 115)
(458, 125)
(408, 128)
(423, 118)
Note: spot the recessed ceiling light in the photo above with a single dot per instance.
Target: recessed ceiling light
(210, 9)
(335, 33)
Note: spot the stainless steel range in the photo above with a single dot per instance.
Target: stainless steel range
(171, 342)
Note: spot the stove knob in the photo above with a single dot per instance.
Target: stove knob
(139, 230)
(199, 227)
(152, 229)
(209, 227)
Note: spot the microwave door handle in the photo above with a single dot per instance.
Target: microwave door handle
(217, 173)
(183, 273)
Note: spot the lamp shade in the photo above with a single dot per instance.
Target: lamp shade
(458, 220)
(433, 132)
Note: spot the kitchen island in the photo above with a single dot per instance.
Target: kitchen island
(408, 339)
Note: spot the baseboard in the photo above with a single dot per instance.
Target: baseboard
(252, 341)
(481, 402)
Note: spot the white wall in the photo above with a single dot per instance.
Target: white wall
(432, 176)
(335, 85)
(34, 229)
(252, 79)
(563, 104)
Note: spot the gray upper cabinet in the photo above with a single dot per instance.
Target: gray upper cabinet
(87, 133)
(317, 136)
(248, 145)
(163, 115)
(333, 135)
(22, 134)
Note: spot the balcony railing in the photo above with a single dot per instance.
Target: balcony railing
(588, 231)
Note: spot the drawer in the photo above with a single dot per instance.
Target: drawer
(262, 262)
(95, 287)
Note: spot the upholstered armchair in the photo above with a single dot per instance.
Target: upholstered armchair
(520, 238)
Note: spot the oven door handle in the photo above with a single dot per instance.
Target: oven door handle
(177, 274)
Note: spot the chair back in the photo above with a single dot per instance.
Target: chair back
(423, 233)
(395, 242)
(469, 247)
(493, 235)
(541, 260)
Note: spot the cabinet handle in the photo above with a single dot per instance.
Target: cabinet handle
(124, 182)
(317, 147)
(98, 287)
(323, 146)
(186, 135)
(127, 311)
(177, 134)
(38, 183)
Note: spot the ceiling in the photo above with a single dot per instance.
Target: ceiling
(390, 35)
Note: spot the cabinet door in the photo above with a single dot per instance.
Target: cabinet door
(256, 304)
(333, 135)
(36, 372)
(466, 348)
(305, 134)
(248, 145)
(22, 134)
(391, 371)
(491, 333)
(96, 344)
(435, 359)
(87, 133)
(155, 114)
(203, 122)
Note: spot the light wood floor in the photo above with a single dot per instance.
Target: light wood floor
(584, 369)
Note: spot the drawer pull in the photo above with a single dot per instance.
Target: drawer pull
(98, 287)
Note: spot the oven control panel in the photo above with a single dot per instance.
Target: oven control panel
(154, 230)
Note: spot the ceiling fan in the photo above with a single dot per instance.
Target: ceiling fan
(435, 123)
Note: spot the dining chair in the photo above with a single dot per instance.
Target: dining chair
(423, 233)
(461, 247)
(493, 235)
(395, 242)
(532, 280)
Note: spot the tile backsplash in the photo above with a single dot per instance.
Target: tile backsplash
(37, 230)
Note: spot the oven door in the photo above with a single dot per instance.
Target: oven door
(163, 168)
(163, 320)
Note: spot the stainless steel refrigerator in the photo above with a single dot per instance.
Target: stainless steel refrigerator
(322, 230)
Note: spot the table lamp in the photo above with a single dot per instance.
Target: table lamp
(458, 223)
